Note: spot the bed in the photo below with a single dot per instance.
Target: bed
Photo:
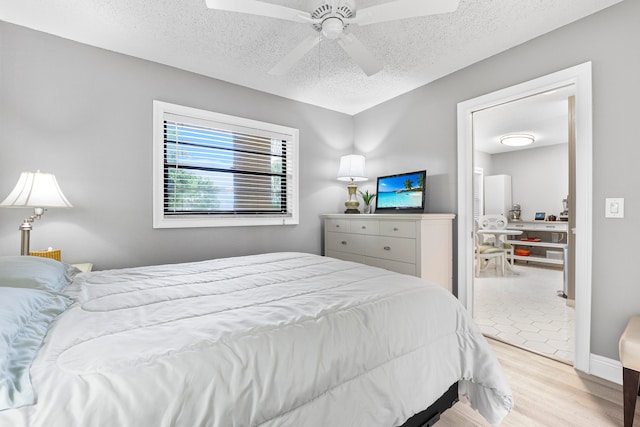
(279, 339)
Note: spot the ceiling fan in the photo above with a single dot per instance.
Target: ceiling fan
(331, 18)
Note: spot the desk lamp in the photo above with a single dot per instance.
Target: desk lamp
(352, 170)
(35, 190)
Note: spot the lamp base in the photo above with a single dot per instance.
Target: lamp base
(25, 236)
(352, 204)
(352, 207)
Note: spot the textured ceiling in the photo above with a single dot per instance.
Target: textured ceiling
(242, 48)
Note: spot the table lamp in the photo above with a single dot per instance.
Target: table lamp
(35, 190)
(352, 170)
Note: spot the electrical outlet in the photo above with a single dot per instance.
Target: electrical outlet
(614, 208)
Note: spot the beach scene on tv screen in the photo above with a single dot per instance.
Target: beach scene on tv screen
(404, 191)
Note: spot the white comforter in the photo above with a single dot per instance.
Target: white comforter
(283, 339)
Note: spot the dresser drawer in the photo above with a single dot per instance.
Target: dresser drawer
(392, 248)
(345, 256)
(344, 242)
(546, 226)
(515, 226)
(341, 225)
(398, 229)
(397, 266)
(539, 226)
(362, 226)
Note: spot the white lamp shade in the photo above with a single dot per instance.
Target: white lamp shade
(352, 168)
(37, 190)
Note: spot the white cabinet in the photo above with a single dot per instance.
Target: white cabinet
(497, 195)
(550, 240)
(416, 244)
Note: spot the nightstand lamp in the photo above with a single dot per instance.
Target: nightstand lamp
(35, 190)
(352, 170)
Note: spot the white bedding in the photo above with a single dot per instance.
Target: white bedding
(283, 339)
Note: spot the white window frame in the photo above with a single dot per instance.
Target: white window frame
(161, 108)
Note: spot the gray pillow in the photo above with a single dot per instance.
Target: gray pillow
(35, 273)
(25, 315)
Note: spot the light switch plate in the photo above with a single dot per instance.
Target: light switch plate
(614, 208)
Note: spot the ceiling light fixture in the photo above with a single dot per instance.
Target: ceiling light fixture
(517, 140)
(332, 27)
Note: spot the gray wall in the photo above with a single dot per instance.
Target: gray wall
(539, 178)
(419, 128)
(85, 114)
(483, 160)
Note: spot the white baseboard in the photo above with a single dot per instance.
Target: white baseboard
(605, 368)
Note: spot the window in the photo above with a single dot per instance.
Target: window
(213, 170)
(478, 193)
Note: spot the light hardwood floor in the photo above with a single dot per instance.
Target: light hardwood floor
(547, 393)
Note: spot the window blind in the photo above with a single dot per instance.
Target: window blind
(215, 168)
(478, 192)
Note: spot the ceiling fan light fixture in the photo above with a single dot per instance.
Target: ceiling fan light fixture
(331, 17)
(517, 140)
(332, 27)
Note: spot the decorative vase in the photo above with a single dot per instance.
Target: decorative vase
(368, 209)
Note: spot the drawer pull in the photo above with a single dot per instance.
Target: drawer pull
(395, 228)
(344, 242)
(387, 248)
(364, 227)
(337, 225)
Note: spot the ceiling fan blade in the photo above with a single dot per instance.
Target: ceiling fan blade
(294, 56)
(359, 53)
(255, 7)
(402, 9)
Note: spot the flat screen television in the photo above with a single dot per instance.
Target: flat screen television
(401, 193)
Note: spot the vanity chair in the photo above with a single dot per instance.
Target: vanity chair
(497, 222)
(484, 253)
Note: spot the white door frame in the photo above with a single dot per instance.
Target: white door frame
(580, 76)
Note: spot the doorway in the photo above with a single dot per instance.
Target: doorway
(580, 76)
(529, 305)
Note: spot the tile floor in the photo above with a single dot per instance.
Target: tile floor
(525, 310)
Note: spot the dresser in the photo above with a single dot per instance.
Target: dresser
(416, 244)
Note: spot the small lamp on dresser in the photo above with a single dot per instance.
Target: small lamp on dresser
(35, 190)
(352, 170)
